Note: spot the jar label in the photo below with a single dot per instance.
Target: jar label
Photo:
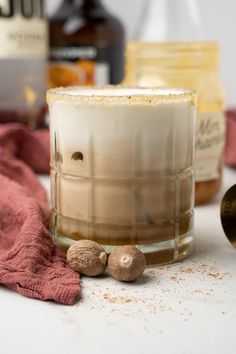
(23, 30)
(210, 138)
(80, 65)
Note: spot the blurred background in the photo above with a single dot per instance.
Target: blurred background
(218, 19)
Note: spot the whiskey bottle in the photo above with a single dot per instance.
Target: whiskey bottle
(86, 45)
(23, 62)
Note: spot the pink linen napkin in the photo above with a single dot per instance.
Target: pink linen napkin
(29, 262)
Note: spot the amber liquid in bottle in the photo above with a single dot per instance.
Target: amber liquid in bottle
(86, 45)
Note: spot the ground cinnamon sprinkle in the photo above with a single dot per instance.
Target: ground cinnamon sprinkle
(187, 270)
(203, 270)
(162, 289)
(119, 299)
(217, 275)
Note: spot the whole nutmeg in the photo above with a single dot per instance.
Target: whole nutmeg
(87, 257)
(126, 263)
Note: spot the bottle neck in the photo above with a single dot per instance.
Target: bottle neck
(168, 20)
(70, 7)
(86, 3)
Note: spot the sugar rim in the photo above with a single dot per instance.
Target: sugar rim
(119, 94)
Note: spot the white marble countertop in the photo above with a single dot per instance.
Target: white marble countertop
(189, 307)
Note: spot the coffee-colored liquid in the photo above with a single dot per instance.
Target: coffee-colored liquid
(66, 230)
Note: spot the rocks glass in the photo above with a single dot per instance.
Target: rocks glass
(122, 168)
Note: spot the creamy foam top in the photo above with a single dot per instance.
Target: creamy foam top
(111, 94)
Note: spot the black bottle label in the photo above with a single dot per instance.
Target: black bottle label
(85, 65)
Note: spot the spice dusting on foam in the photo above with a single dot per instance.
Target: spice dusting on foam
(120, 94)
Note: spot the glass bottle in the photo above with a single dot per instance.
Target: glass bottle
(23, 62)
(86, 45)
(168, 20)
(178, 57)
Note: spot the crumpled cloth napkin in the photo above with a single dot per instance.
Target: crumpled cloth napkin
(29, 262)
(230, 148)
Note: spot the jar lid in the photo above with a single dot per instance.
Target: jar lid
(185, 55)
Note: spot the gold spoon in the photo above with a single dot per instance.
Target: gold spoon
(228, 214)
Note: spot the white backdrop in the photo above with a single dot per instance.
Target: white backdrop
(219, 21)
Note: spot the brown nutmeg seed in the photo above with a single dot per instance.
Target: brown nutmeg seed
(87, 257)
(126, 263)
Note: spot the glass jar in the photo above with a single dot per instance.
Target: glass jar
(190, 65)
(122, 168)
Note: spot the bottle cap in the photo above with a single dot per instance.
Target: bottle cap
(228, 214)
